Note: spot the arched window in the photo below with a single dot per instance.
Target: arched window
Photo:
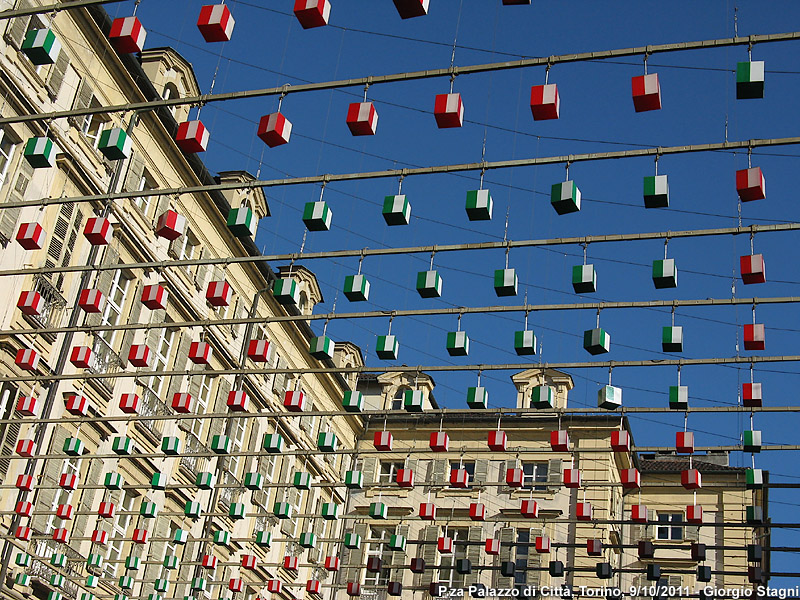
(303, 304)
(397, 401)
(170, 91)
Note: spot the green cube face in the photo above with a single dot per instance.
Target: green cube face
(754, 479)
(665, 273)
(353, 401)
(584, 279)
(181, 536)
(754, 514)
(330, 511)
(40, 152)
(22, 559)
(429, 284)
(222, 537)
(161, 585)
(479, 205)
(413, 400)
(158, 481)
(198, 584)
(170, 562)
(126, 582)
(263, 539)
(542, 396)
(94, 560)
(354, 480)
(241, 222)
(113, 481)
(321, 348)
(678, 397)
(672, 339)
(192, 509)
(477, 397)
(506, 282)
(205, 480)
(22, 579)
(396, 210)
(132, 563)
(282, 510)
(149, 510)
(752, 441)
(457, 343)
(273, 443)
(122, 445)
(596, 341)
(356, 288)
(41, 46)
(387, 347)
(285, 291)
(171, 445)
(221, 444)
(525, 342)
(609, 397)
(236, 511)
(377, 510)
(302, 480)
(253, 481)
(308, 540)
(114, 144)
(656, 191)
(327, 442)
(73, 446)
(750, 80)
(397, 543)
(317, 216)
(352, 541)
(565, 197)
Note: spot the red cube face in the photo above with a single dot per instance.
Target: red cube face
(27, 359)
(690, 479)
(294, 401)
(751, 394)
(140, 536)
(445, 545)
(646, 92)
(65, 511)
(219, 293)
(192, 137)
(353, 588)
(545, 102)
(154, 297)
(514, 477)
(274, 129)
(290, 563)
(68, 481)
(91, 301)
(274, 586)
(182, 403)
(81, 356)
(312, 13)
(639, 513)
(24, 482)
(76, 405)
(498, 441)
(559, 441)
(750, 184)
(170, 225)
(332, 563)
(440, 441)
(26, 405)
(30, 236)
(427, 511)
(572, 478)
(362, 118)
(620, 441)
(492, 546)
(405, 478)
(258, 350)
(106, 510)
(25, 448)
(694, 513)
(477, 511)
(313, 586)
(60, 535)
(236, 585)
(374, 564)
(200, 353)
(408, 9)
(542, 544)
(684, 442)
(583, 511)
(139, 355)
(594, 547)
(382, 440)
(630, 478)
(448, 110)
(237, 401)
(30, 303)
(129, 403)
(752, 268)
(23, 533)
(215, 23)
(24, 509)
(459, 478)
(249, 561)
(98, 231)
(100, 537)
(127, 35)
(209, 561)
(529, 509)
(754, 336)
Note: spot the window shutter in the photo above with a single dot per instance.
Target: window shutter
(506, 552)
(554, 471)
(154, 333)
(133, 317)
(534, 562)
(240, 312)
(163, 206)
(440, 468)
(429, 535)
(56, 77)
(157, 549)
(181, 357)
(475, 539)
(307, 421)
(194, 380)
(83, 99)
(481, 472)
(87, 496)
(369, 469)
(650, 530)
(217, 425)
(691, 533)
(10, 216)
(279, 383)
(49, 482)
(399, 556)
(133, 177)
(9, 433)
(15, 32)
(201, 277)
(103, 282)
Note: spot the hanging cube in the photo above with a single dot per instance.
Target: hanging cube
(158, 481)
(646, 92)
(362, 118)
(27, 359)
(694, 513)
(181, 536)
(514, 477)
(584, 279)
(171, 445)
(313, 586)
(353, 401)
(754, 336)
(218, 293)
(603, 570)
(41, 46)
(703, 573)
(263, 539)
(25, 448)
(459, 478)
(445, 545)
(396, 210)
(571, 478)
(477, 511)
(684, 442)
(656, 191)
(448, 108)
(209, 561)
(559, 441)
(417, 565)
(30, 236)
(653, 572)
(133, 563)
(22, 579)
(274, 129)
(221, 444)
(197, 584)
(321, 348)
(609, 397)
(221, 538)
(98, 231)
(542, 396)
(182, 403)
(542, 544)
(395, 588)
(596, 341)
(545, 101)
(377, 510)
(429, 284)
(258, 350)
(327, 441)
(457, 343)
(23, 533)
(679, 397)
(170, 562)
(170, 225)
(205, 480)
(139, 355)
(26, 405)
(691, 479)
(354, 480)
(77, 405)
(754, 514)
(565, 197)
(427, 511)
(106, 510)
(154, 297)
(387, 347)
(479, 205)
(95, 560)
(752, 268)
(294, 401)
(413, 400)
(242, 222)
(237, 401)
(750, 80)
(317, 216)
(497, 440)
(665, 273)
(122, 445)
(408, 9)
(274, 586)
(307, 540)
(594, 547)
(282, 510)
(505, 282)
(630, 478)
(751, 394)
(148, 510)
(529, 508)
(40, 152)
(58, 560)
(405, 478)
(750, 184)
(273, 443)
(68, 481)
(249, 561)
(754, 479)
(356, 288)
(24, 482)
(285, 291)
(492, 546)
(353, 588)
(751, 440)
(583, 511)
(312, 13)
(290, 563)
(672, 339)
(215, 23)
(477, 397)
(91, 301)
(253, 480)
(192, 137)
(352, 541)
(30, 303)
(200, 353)
(140, 536)
(525, 342)
(639, 513)
(127, 35)
(330, 511)
(114, 144)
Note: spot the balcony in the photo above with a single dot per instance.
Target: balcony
(194, 464)
(52, 307)
(43, 571)
(151, 405)
(228, 495)
(104, 360)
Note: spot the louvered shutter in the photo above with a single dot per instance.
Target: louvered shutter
(691, 533)
(49, 481)
(440, 472)
(163, 206)
(218, 406)
(354, 557)
(534, 562)
(428, 553)
(133, 317)
(87, 496)
(83, 99)
(369, 468)
(307, 421)
(56, 77)
(133, 177)
(475, 537)
(240, 312)
(399, 557)
(10, 431)
(181, 357)
(279, 383)
(18, 27)
(157, 548)
(10, 216)
(104, 281)
(203, 272)
(506, 554)
(292, 496)
(481, 472)
(554, 471)
(649, 530)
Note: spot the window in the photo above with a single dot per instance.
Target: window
(62, 496)
(266, 466)
(145, 182)
(469, 466)
(114, 303)
(170, 91)
(238, 427)
(388, 472)
(669, 526)
(186, 247)
(533, 473)
(119, 530)
(521, 561)
(203, 396)
(378, 547)
(6, 151)
(397, 401)
(10, 430)
(162, 352)
(63, 239)
(91, 126)
(447, 562)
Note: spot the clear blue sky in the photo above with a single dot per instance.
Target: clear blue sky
(269, 48)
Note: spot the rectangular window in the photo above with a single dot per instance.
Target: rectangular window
(119, 530)
(447, 562)
(145, 182)
(388, 473)
(201, 404)
(468, 465)
(521, 562)
(238, 429)
(114, 303)
(669, 526)
(534, 473)
(161, 357)
(10, 430)
(6, 152)
(378, 547)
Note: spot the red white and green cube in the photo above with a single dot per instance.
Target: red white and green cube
(378, 510)
(221, 444)
(505, 282)
(387, 347)
(114, 144)
(751, 440)
(396, 210)
(73, 446)
(356, 288)
(542, 396)
(148, 510)
(308, 539)
(158, 481)
(479, 205)
(253, 480)
(321, 347)
(273, 443)
(679, 397)
(192, 509)
(285, 291)
(317, 216)
(205, 480)
(672, 339)
(171, 445)
(596, 341)
(665, 273)
(457, 343)
(41, 46)
(565, 197)
(750, 80)
(221, 538)
(263, 539)
(122, 445)
(584, 279)
(40, 152)
(242, 221)
(113, 481)
(352, 541)
(413, 401)
(170, 562)
(477, 397)
(525, 342)
(656, 191)
(353, 401)
(327, 441)
(354, 480)
(609, 397)
(754, 479)
(330, 511)
(236, 511)
(282, 510)
(429, 284)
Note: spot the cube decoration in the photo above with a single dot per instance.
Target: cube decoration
(594, 547)
(477, 397)
(413, 400)
(154, 297)
(200, 353)
(274, 129)
(40, 152)
(98, 231)
(609, 397)
(429, 284)
(122, 445)
(505, 282)
(356, 288)
(362, 118)
(242, 222)
(205, 480)
(752, 269)
(140, 536)
(221, 444)
(754, 479)
(27, 359)
(127, 35)
(158, 481)
(679, 397)
(639, 513)
(694, 513)
(514, 477)
(330, 511)
(417, 565)
(353, 588)
(559, 441)
(529, 508)
(596, 341)
(378, 510)
(91, 301)
(583, 511)
(684, 442)
(751, 394)
(525, 342)
(382, 440)
(317, 216)
(630, 478)
(294, 401)
(542, 396)
(545, 102)
(313, 586)
(396, 210)
(497, 440)
(41, 46)
(750, 80)
(24, 482)
(656, 191)
(258, 350)
(290, 563)
(171, 445)
(584, 279)
(182, 403)
(672, 339)
(263, 539)
(106, 510)
(192, 137)
(139, 355)
(215, 23)
(477, 511)
(170, 225)
(457, 343)
(218, 293)
(542, 544)
(27, 405)
(754, 336)
(444, 545)
(327, 441)
(67, 481)
(479, 205)
(352, 541)
(405, 478)
(691, 479)
(750, 184)
(114, 144)
(30, 236)
(285, 291)
(459, 478)
(354, 480)
(25, 448)
(665, 273)
(237, 401)
(751, 440)
(571, 478)
(282, 510)
(353, 401)
(307, 540)
(30, 303)
(312, 13)
(448, 109)
(273, 443)
(427, 511)
(565, 197)
(253, 480)
(387, 347)
(77, 405)
(492, 546)
(646, 92)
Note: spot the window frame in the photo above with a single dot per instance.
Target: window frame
(538, 475)
(666, 530)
